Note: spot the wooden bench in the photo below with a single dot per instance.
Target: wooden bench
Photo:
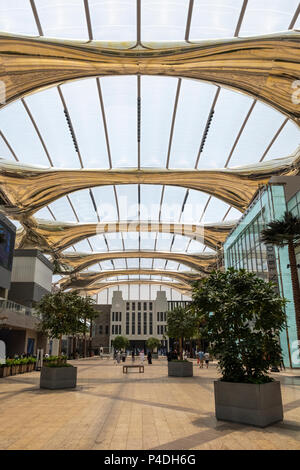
(139, 366)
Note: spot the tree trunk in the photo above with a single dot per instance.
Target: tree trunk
(295, 284)
(180, 348)
(59, 345)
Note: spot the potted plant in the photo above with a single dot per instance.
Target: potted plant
(181, 324)
(120, 343)
(243, 316)
(31, 364)
(5, 370)
(62, 313)
(153, 343)
(56, 373)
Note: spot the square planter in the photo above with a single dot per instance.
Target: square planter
(58, 377)
(258, 405)
(14, 370)
(180, 369)
(5, 371)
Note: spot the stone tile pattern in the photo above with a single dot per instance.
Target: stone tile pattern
(111, 410)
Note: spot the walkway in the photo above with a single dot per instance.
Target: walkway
(112, 410)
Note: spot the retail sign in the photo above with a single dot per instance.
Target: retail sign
(2, 352)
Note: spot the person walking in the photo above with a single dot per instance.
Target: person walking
(132, 356)
(201, 359)
(149, 357)
(118, 357)
(142, 357)
(123, 356)
(206, 357)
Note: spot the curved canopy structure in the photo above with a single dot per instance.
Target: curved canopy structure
(264, 67)
(54, 236)
(82, 280)
(158, 119)
(96, 288)
(77, 261)
(24, 189)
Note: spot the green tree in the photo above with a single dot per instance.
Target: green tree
(64, 313)
(243, 316)
(286, 232)
(120, 342)
(153, 343)
(181, 324)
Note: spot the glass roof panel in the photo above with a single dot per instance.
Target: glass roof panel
(106, 204)
(215, 18)
(163, 241)
(132, 262)
(16, 17)
(180, 243)
(230, 111)
(157, 105)
(172, 203)
(268, 16)
(47, 110)
(20, 133)
(194, 206)
(148, 240)
(164, 21)
(5, 151)
(128, 201)
(62, 210)
(195, 101)
(144, 292)
(98, 243)
(82, 246)
(120, 104)
(253, 142)
(131, 241)
(82, 203)
(215, 210)
(113, 20)
(114, 241)
(62, 19)
(120, 263)
(286, 142)
(83, 103)
(150, 202)
(146, 263)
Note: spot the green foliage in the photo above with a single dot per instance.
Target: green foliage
(181, 323)
(56, 361)
(65, 313)
(243, 316)
(16, 362)
(120, 342)
(281, 232)
(153, 343)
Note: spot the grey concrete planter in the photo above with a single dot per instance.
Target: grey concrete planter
(58, 377)
(258, 405)
(180, 369)
(154, 355)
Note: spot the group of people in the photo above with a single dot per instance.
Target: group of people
(203, 357)
(122, 356)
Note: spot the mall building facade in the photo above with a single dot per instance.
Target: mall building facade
(243, 249)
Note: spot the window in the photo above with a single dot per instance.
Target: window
(150, 305)
(120, 316)
(133, 305)
(113, 329)
(157, 316)
(139, 306)
(133, 324)
(150, 324)
(100, 329)
(106, 329)
(127, 305)
(113, 316)
(145, 323)
(127, 323)
(158, 329)
(145, 305)
(161, 316)
(165, 316)
(139, 332)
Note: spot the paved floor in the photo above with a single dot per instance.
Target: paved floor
(112, 410)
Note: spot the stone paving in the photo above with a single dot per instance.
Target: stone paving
(112, 410)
